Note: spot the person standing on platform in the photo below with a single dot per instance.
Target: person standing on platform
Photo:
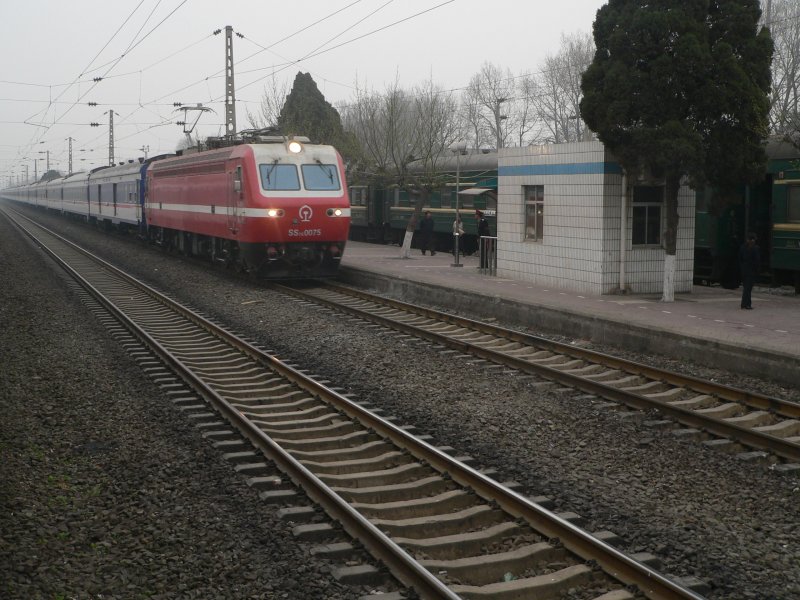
(483, 232)
(458, 235)
(426, 233)
(749, 262)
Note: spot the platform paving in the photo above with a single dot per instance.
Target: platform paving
(707, 325)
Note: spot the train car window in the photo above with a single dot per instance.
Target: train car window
(793, 204)
(320, 177)
(279, 177)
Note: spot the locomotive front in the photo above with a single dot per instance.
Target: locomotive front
(301, 189)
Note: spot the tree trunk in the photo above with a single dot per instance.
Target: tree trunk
(673, 186)
(405, 250)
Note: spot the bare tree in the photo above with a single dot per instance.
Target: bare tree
(475, 133)
(436, 127)
(784, 25)
(559, 94)
(272, 102)
(528, 124)
(395, 128)
(489, 89)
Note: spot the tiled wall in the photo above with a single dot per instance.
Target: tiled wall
(580, 247)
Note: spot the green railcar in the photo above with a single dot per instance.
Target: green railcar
(770, 209)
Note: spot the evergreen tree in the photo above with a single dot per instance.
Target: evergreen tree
(679, 87)
(306, 112)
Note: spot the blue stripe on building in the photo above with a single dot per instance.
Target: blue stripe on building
(595, 168)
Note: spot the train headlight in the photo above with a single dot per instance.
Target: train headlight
(295, 147)
(275, 212)
(338, 212)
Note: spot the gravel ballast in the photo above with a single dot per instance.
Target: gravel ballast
(106, 489)
(703, 513)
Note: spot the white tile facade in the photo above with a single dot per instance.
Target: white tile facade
(582, 201)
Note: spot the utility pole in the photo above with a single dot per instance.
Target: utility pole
(111, 137)
(70, 155)
(498, 120)
(145, 149)
(230, 94)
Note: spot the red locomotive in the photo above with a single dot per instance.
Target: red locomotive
(279, 209)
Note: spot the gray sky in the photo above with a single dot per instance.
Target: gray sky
(152, 53)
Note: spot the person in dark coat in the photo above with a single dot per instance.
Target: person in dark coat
(426, 233)
(483, 231)
(749, 262)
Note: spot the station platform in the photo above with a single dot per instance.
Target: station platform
(706, 326)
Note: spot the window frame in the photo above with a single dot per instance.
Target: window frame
(793, 216)
(653, 210)
(334, 169)
(537, 204)
(264, 169)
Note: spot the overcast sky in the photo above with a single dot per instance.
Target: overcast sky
(152, 53)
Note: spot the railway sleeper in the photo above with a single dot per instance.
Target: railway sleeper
(541, 586)
(239, 381)
(460, 545)
(280, 408)
(702, 401)
(785, 429)
(629, 381)
(223, 373)
(254, 394)
(412, 471)
(279, 417)
(266, 395)
(473, 518)
(486, 569)
(570, 364)
(329, 419)
(752, 419)
(310, 433)
(355, 438)
(380, 494)
(343, 467)
(441, 503)
(504, 346)
(551, 361)
(650, 387)
(723, 411)
(604, 375)
(586, 370)
(670, 395)
(369, 449)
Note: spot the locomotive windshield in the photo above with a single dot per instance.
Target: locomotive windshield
(320, 177)
(279, 177)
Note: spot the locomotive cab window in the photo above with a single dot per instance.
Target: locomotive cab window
(320, 177)
(275, 177)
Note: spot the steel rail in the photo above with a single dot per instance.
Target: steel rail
(404, 567)
(400, 564)
(736, 433)
(786, 408)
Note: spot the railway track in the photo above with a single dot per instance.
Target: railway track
(441, 527)
(740, 420)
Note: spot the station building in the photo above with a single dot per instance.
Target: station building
(559, 209)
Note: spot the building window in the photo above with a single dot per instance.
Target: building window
(648, 201)
(793, 204)
(534, 212)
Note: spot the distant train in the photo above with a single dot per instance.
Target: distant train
(381, 214)
(770, 209)
(278, 208)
